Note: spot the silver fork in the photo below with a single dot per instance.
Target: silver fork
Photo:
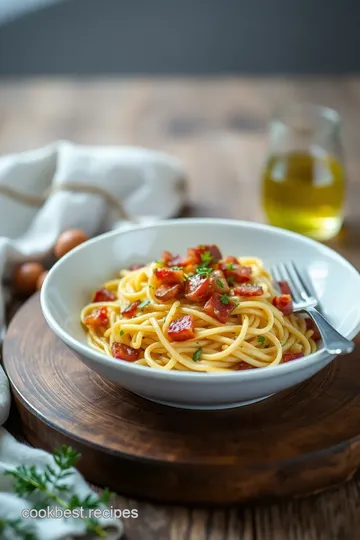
(303, 300)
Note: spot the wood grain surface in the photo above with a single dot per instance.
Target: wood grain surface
(298, 442)
(217, 127)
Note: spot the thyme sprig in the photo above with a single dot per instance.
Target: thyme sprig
(50, 489)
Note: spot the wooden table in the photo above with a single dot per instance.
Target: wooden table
(217, 127)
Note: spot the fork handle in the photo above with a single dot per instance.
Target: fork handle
(333, 342)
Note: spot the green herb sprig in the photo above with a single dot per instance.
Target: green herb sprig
(204, 270)
(51, 489)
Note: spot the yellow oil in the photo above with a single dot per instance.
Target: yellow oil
(304, 192)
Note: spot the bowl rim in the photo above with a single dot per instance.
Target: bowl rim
(122, 365)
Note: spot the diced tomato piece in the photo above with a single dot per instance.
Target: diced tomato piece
(174, 260)
(98, 318)
(240, 366)
(197, 288)
(248, 290)
(135, 266)
(284, 304)
(167, 292)
(236, 271)
(169, 276)
(104, 295)
(182, 328)
(217, 309)
(284, 287)
(124, 352)
(130, 310)
(218, 282)
(287, 357)
(310, 325)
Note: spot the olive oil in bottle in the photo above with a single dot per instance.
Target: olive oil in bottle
(304, 192)
(303, 186)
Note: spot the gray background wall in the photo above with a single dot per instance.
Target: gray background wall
(184, 37)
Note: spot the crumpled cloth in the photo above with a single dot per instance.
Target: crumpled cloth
(150, 185)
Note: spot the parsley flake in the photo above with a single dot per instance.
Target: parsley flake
(206, 257)
(230, 266)
(261, 339)
(220, 283)
(204, 271)
(196, 355)
(176, 268)
(225, 299)
(144, 304)
(122, 332)
(230, 280)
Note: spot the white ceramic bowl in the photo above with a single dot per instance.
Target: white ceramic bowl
(68, 285)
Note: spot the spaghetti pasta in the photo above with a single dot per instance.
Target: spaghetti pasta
(200, 313)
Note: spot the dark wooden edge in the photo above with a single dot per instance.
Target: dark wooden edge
(130, 476)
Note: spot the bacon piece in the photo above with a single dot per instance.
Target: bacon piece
(287, 357)
(236, 271)
(167, 292)
(197, 288)
(284, 304)
(124, 352)
(217, 309)
(194, 254)
(98, 318)
(169, 276)
(230, 259)
(130, 310)
(310, 325)
(104, 295)
(182, 329)
(284, 287)
(174, 260)
(135, 267)
(214, 252)
(240, 366)
(248, 290)
(218, 282)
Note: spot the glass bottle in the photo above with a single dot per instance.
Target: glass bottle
(303, 181)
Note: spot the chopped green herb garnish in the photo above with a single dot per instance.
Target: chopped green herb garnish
(196, 354)
(230, 280)
(261, 339)
(206, 257)
(230, 266)
(44, 487)
(151, 287)
(225, 299)
(176, 268)
(220, 283)
(235, 302)
(144, 304)
(122, 332)
(204, 271)
(187, 276)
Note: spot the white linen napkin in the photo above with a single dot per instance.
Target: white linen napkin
(150, 185)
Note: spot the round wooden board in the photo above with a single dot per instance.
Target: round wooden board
(299, 442)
